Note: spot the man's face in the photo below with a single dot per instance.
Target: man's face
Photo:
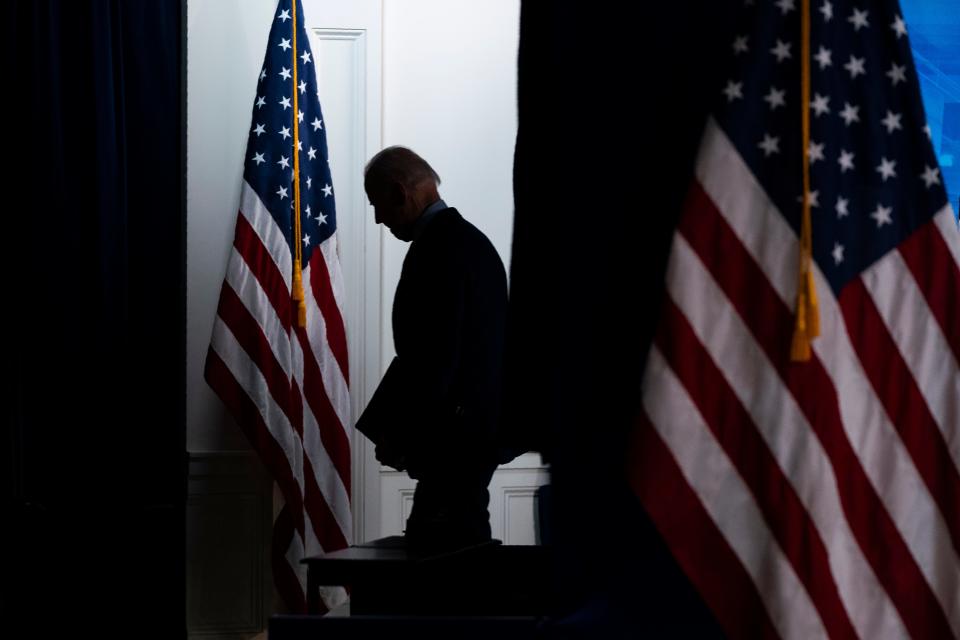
(390, 208)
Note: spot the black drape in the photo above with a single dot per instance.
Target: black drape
(613, 98)
(94, 493)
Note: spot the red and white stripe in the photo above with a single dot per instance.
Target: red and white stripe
(289, 386)
(828, 491)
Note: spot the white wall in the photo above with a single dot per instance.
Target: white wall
(449, 90)
(449, 93)
(226, 40)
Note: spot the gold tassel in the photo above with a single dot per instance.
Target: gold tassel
(813, 308)
(298, 294)
(800, 346)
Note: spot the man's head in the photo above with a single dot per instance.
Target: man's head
(400, 185)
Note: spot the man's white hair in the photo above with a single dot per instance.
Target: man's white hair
(399, 164)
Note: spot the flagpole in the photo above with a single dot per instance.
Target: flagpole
(298, 251)
(808, 317)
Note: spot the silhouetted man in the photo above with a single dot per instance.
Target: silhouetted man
(436, 411)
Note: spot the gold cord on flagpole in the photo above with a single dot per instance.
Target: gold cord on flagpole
(807, 325)
(298, 252)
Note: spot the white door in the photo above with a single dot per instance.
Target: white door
(346, 40)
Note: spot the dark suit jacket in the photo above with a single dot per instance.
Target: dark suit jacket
(439, 401)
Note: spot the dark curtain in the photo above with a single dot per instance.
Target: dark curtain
(94, 449)
(613, 98)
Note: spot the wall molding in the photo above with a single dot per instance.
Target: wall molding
(511, 494)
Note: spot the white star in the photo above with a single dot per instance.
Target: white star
(770, 145)
(740, 45)
(282, 192)
(284, 15)
(309, 182)
(858, 19)
(312, 153)
(263, 74)
(775, 98)
(845, 160)
(819, 104)
(887, 169)
(823, 58)
(855, 66)
(785, 6)
(261, 101)
(284, 162)
(782, 51)
(327, 191)
(842, 211)
(899, 26)
(305, 57)
(316, 124)
(258, 158)
(926, 130)
(897, 73)
(321, 219)
(284, 73)
(815, 152)
(308, 211)
(827, 10)
(882, 215)
(930, 176)
(814, 197)
(850, 113)
(299, 116)
(306, 239)
(259, 129)
(303, 86)
(299, 145)
(285, 132)
(837, 253)
(286, 103)
(892, 121)
(733, 90)
(284, 44)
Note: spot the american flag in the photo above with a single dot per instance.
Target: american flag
(819, 498)
(286, 385)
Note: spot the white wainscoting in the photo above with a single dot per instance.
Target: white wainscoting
(513, 503)
(228, 517)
